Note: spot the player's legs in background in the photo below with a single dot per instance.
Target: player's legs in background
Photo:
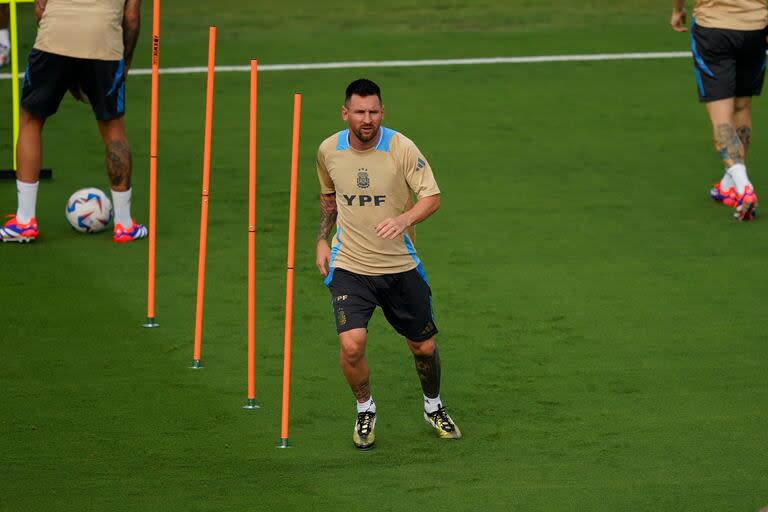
(29, 155)
(742, 121)
(22, 227)
(733, 153)
(428, 367)
(5, 39)
(29, 150)
(119, 164)
(355, 367)
(117, 153)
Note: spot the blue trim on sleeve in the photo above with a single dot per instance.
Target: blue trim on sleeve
(386, 138)
(343, 141)
(334, 253)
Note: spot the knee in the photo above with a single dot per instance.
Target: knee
(352, 348)
(424, 348)
(742, 107)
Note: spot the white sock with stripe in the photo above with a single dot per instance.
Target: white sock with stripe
(5, 38)
(27, 196)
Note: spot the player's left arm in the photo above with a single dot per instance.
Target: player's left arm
(418, 175)
(131, 27)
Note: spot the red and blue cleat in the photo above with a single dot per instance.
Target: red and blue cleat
(122, 235)
(746, 205)
(728, 197)
(13, 231)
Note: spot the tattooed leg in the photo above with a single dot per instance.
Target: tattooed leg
(117, 154)
(118, 157)
(427, 359)
(354, 364)
(742, 120)
(728, 145)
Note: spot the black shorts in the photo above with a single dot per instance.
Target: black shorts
(405, 298)
(49, 76)
(728, 63)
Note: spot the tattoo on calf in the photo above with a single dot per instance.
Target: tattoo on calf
(729, 145)
(745, 135)
(428, 368)
(362, 391)
(119, 163)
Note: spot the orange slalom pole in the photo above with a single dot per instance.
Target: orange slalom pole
(196, 360)
(151, 322)
(289, 269)
(252, 242)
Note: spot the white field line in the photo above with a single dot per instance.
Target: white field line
(411, 63)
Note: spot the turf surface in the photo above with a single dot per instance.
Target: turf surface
(602, 322)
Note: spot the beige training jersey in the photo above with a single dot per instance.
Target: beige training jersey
(371, 186)
(87, 29)
(731, 14)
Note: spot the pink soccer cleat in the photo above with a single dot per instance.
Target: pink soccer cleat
(13, 231)
(122, 235)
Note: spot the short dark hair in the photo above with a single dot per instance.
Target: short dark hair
(362, 87)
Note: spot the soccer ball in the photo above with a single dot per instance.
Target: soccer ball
(89, 210)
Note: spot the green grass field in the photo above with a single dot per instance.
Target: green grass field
(602, 321)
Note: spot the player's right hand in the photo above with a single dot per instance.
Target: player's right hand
(323, 257)
(679, 20)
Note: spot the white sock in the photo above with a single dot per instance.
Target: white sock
(738, 173)
(27, 196)
(121, 202)
(370, 405)
(4, 38)
(726, 182)
(432, 404)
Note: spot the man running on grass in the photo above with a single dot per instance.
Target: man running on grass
(368, 175)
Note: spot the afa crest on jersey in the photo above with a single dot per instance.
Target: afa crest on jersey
(362, 178)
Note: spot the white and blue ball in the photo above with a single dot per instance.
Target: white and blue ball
(89, 210)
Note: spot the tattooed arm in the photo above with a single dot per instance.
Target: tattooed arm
(131, 26)
(328, 214)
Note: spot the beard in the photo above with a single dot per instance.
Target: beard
(366, 138)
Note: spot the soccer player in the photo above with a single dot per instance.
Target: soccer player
(5, 42)
(368, 175)
(85, 47)
(728, 40)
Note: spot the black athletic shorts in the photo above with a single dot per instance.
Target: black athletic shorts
(405, 298)
(49, 76)
(728, 63)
